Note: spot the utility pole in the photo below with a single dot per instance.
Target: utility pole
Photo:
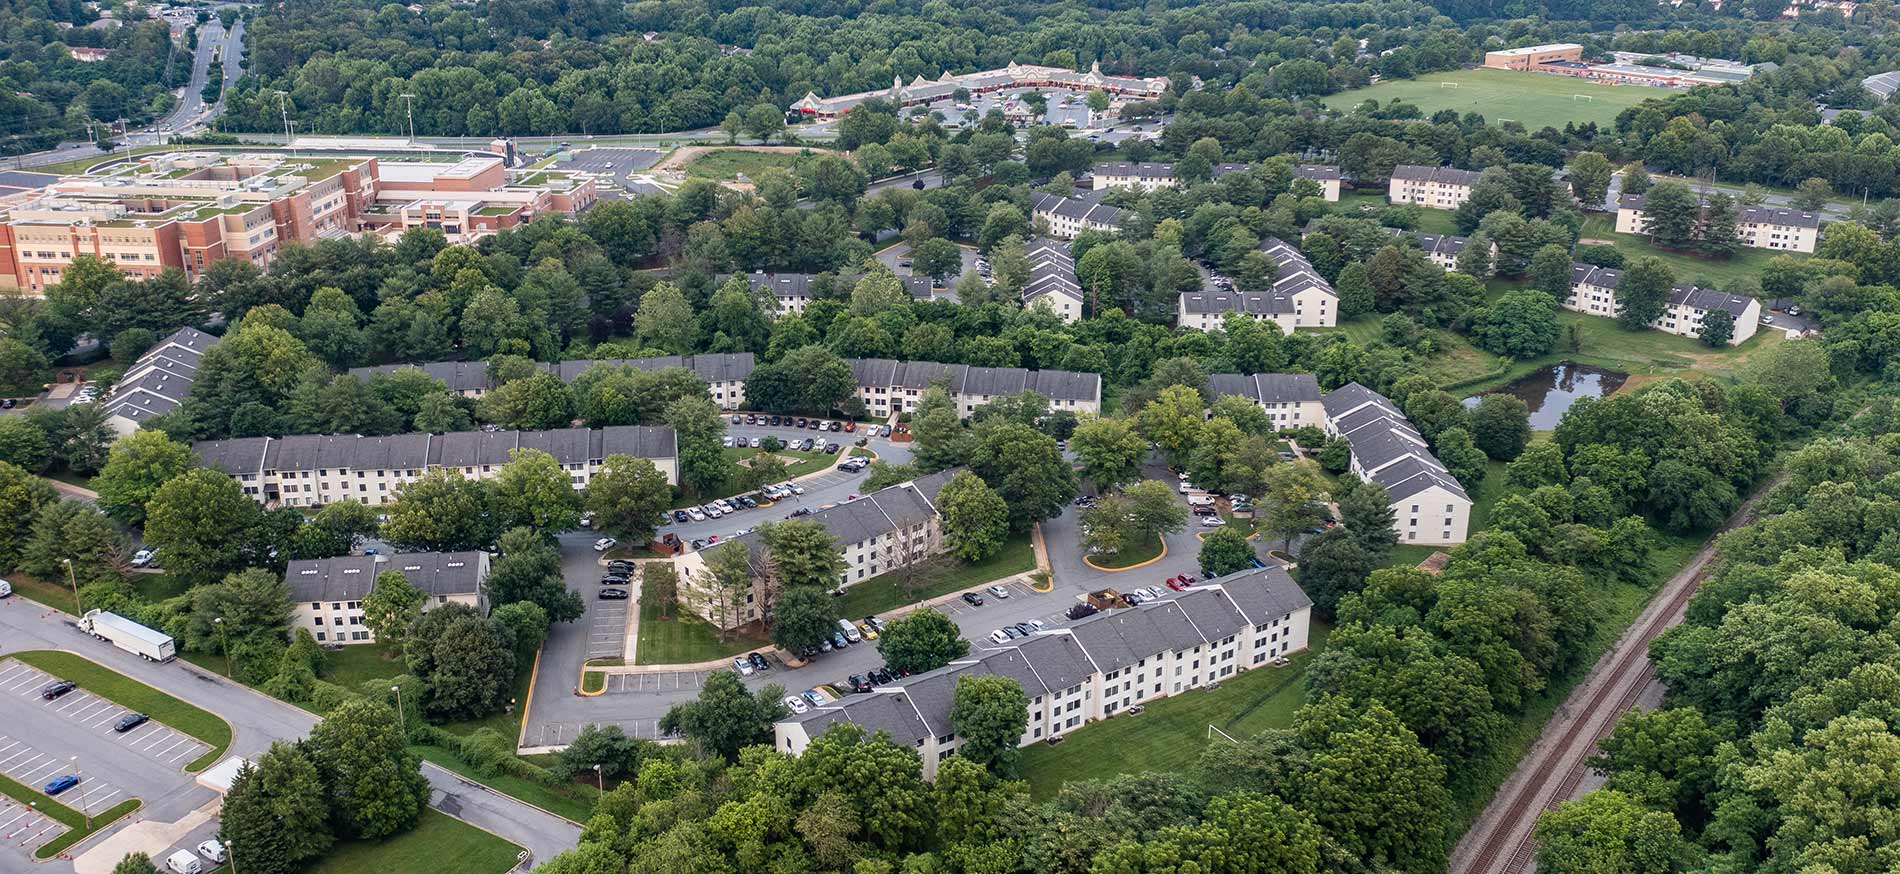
(283, 106)
(75, 581)
(411, 100)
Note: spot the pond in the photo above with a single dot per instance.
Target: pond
(1549, 391)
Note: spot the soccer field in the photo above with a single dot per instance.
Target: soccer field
(1531, 99)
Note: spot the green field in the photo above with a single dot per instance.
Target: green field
(1689, 268)
(1534, 100)
(1367, 204)
(1169, 736)
(134, 695)
(437, 843)
(685, 638)
(731, 163)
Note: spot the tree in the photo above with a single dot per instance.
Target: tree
(1718, 328)
(391, 607)
(532, 490)
(1719, 237)
(937, 258)
(922, 640)
(627, 497)
(1643, 294)
(975, 517)
(22, 496)
(1173, 420)
(725, 717)
(24, 444)
(1333, 564)
(1635, 178)
(764, 121)
(1671, 213)
(803, 618)
(1370, 785)
(1026, 468)
(1365, 511)
(202, 522)
(990, 712)
(439, 512)
(466, 664)
(76, 532)
(1226, 550)
(732, 127)
(276, 816)
(135, 863)
(879, 781)
(1461, 456)
(1590, 178)
(941, 440)
(1607, 830)
(335, 530)
(1813, 193)
(1291, 499)
(540, 402)
(1111, 451)
(529, 569)
(1500, 425)
(802, 553)
(698, 430)
(375, 785)
(1550, 271)
(1520, 324)
(665, 320)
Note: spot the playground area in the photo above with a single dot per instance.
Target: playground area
(1535, 100)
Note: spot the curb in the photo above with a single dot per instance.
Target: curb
(1116, 570)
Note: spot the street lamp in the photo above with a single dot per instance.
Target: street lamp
(84, 807)
(401, 721)
(599, 781)
(77, 605)
(224, 640)
(230, 854)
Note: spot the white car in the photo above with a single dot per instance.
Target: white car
(587, 520)
(1036, 624)
(742, 666)
(696, 514)
(796, 704)
(999, 591)
(714, 511)
(142, 558)
(998, 636)
(605, 543)
(1150, 592)
(727, 442)
(726, 505)
(1212, 521)
(212, 850)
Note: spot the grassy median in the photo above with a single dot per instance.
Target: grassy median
(73, 820)
(134, 695)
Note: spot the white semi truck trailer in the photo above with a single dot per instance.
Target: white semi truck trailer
(129, 636)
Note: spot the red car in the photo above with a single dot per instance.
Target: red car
(851, 426)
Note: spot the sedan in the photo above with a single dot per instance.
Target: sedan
(832, 448)
(742, 666)
(999, 592)
(613, 594)
(865, 629)
(55, 689)
(61, 784)
(813, 696)
(681, 516)
(696, 514)
(713, 511)
(851, 426)
(1174, 583)
(130, 721)
(796, 704)
(142, 558)
(605, 543)
(735, 420)
(758, 662)
(1212, 521)
(838, 641)
(973, 599)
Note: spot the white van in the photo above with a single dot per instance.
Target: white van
(6, 588)
(183, 862)
(212, 850)
(850, 631)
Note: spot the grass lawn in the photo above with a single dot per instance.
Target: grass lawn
(73, 820)
(437, 843)
(1534, 100)
(685, 638)
(887, 592)
(574, 801)
(730, 163)
(1688, 267)
(352, 666)
(1169, 736)
(132, 694)
(58, 596)
(1127, 557)
(1455, 361)
(1431, 221)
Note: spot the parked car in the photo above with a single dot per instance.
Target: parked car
(1080, 611)
(758, 662)
(814, 697)
(742, 666)
(832, 448)
(211, 850)
(838, 640)
(696, 514)
(613, 594)
(680, 516)
(802, 421)
(605, 543)
(851, 426)
(999, 591)
(726, 442)
(130, 721)
(796, 488)
(875, 622)
(712, 511)
(857, 683)
(57, 688)
(973, 599)
(882, 676)
(850, 631)
(735, 420)
(142, 558)
(796, 704)
(865, 629)
(749, 502)
(61, 783)
(1212, 521)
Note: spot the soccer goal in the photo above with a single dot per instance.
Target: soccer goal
(1452, 85)
(1576, 97)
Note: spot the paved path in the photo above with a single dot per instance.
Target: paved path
(257, 720)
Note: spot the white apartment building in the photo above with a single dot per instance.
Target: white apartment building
(884, 531)
(886, 386)
(1429, 506)
(1052, 281)
(724, 374)
(1442, 249)
(158, 381)
(312, 470)
(1300, 297)
(1088, 670)
(326, 594)
(1759, 227)
(1292, 400)
(1143, 176)
(1431, 187)
(1327, 177)
(1068, 216)
(1593, 292)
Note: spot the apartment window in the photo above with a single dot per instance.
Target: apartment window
(319, 635)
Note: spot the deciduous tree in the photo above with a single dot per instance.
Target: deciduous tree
(725, 716)
(277, 815)
(922, 640)
(990, 712)
(975, 517)
(374, 784)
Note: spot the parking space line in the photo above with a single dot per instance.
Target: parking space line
(57, 767)
(108, 716)
(25, 680)
(173, 746)
(92, 802)
(29, 764)
(167, 734)
(139, 734)
(89, 709)
(9, 673)
(183, 753)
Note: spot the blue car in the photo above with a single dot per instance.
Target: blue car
(61, 784)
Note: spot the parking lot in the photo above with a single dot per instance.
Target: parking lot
(23, 830)
(607, 627)
(618, 162)
(93, 715)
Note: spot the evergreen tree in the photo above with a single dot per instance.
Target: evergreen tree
(277, 815)
(1719, 237)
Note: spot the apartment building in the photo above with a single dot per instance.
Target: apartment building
(1530, 57)
(1431, 187)
(1429, 506)
(1442, 249)
(159, 381)
(1088, 670)
(1327, 177)
(184, 210)
(311, 470)
(1292, 400)
(886, 386)
(1052, 281)
(883, 531)
(1068, 216)
(1759, 227)
(1144, 176)
(1593, 291)
(326, 594)
(1299, 298)
(923, 92)
(723, 373)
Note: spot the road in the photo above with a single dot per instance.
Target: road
(1555, 769)
(256, 721)
(637, 702)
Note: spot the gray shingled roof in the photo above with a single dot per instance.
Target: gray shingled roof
(350, 577)
(1086, 208)
(161, 378)
(415, 451)
(1446, 175)
(1318, 172)
(1352, 394)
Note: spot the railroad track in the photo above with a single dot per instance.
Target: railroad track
(1555, 766)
